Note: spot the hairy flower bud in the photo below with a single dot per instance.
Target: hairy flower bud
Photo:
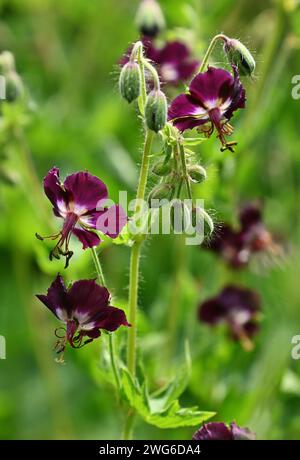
(150, 19)
(240, 56)
(130, 81)
(160, 192)
(156, 110)
(202, 221)
(162, 168)
(7, 62)
(14, 88)
(196, 173)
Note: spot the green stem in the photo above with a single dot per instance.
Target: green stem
(184, 169)
(135, 257)
(210, 49)
(101, 281)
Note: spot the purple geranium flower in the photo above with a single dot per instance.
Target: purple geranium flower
(84, 308)
(236, 246)
(212, 99)
(80, 200)
(173, 60)
(238, 307)
(218, 431)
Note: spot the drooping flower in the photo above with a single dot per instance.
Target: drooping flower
(173, 60)
(238, 308)
(236, 246)
(209, 104)
(218, 431)
(80, 201)
(84, 309)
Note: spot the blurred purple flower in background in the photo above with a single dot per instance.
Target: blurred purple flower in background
(238, 308)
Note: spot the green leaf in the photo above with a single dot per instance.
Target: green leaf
(192, 141)
(173, 417)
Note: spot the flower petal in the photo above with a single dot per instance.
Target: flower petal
(211, 311)
(213, 85)
(214, 431)
(87, 299)
(55, 192)
(87, 238)
(185, 106)
(110, 318)
(56, 299)
(109, 221)
(84, 192)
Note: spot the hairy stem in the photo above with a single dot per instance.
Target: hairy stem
(210, 49)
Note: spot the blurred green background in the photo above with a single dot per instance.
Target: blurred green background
(67, 54)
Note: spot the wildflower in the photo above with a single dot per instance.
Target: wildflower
(79, 200)
(236, 246)
(218, 431)
(173, 61)
(212, 98)
(84, 309)
(156, 110)
(238, 308)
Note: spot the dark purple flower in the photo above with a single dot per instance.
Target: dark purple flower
(238, 308)
(80, 201)
(212, 99)
(236, 246)
(84, 309)
(218, 431)
(173, 61)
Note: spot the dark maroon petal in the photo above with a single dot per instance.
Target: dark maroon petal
(182, 124)
(109, 318)
(212, 85)
(187, 69)
(55, 192)
(241, 434)
(250, 215)
(56, 299)
(214, 431)
(86, 299)
(110, 221)
(84, 192)
(238, 96)
(211, 311)
(72, 327)
(234, 298)
(185, 106)
(93, 333)
(87, 238)
(174, 52)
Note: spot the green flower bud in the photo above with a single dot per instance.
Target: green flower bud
(156, 110)
(160, 192)
(196, 173)
(201, 220)
(14, 88)
(239, 55)
(130, 81)
(7, 62)
(150, 19)
(161, 168)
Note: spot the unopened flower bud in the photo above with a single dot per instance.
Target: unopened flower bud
(156, 110)
(240, 56)
(202, 221)
(161, 168)
(160, 192)
(130, 81)
(7, 62)
(196, 173)
(14, 88)
(150, 19)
